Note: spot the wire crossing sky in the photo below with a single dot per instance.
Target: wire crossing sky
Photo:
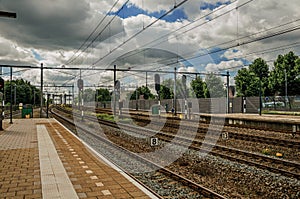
(199, 35)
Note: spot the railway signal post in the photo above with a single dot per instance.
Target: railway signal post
(80, 88)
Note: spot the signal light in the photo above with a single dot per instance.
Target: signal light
(1, 83)
(184, 80)
(117, 85)
(157, 82)
(80, 84)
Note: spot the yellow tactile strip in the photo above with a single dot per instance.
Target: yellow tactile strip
(90, 177)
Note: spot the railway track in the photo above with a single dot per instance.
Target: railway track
(160, 180)
(281, 166)
(232, 131)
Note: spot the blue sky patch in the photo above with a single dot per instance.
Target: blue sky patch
(211, 6)
(36, 55)
(132, 10)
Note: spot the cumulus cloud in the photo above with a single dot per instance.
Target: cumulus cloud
(232, 53)
(223, 65)
(51, 31)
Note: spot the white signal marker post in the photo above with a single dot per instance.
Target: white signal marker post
(153, 141)
(225, 136)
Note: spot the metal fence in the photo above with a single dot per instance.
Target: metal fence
(214, 105)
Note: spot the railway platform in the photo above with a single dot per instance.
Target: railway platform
(41, 159)
(284, 123)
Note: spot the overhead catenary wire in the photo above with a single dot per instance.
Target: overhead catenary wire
(250, 40)
(142, 30)
(229, 43)
(167, 37)
(253, 40)
(73, 58)
(139, 32)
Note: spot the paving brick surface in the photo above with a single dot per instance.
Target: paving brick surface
(20, 172)
(19, 161)
(91, 178)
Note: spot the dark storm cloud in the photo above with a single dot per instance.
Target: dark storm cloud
(50, 24)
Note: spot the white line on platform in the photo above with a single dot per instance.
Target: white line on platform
(55, 181)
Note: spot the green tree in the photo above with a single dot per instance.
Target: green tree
(165, 92)
(103, 95)
(289, 64)
(25, 92)
(145, 91)
(198, 86)
(166, 89)
(248, 80)
(214, 86)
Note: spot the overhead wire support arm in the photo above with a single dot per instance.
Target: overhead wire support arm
(109, 69)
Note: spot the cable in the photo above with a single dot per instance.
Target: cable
(291, 29)
(166, 36)
(139, 32)
(168, 33)
(253, 40)
(72, 59)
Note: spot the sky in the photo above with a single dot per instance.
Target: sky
(195, 36)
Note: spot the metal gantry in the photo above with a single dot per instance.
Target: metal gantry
(115, 69)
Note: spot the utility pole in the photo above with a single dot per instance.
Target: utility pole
(41, 108)
(175, 105)
(73, 95)
(8, 15)
(11, 96)
(48, 96)
(33, 98)
(285, 79)
(15, 98)
(115, 80)
(185, 96)
(69, 97)
(81, 95)
(260, 101)
(136, 98)
(227, 87)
